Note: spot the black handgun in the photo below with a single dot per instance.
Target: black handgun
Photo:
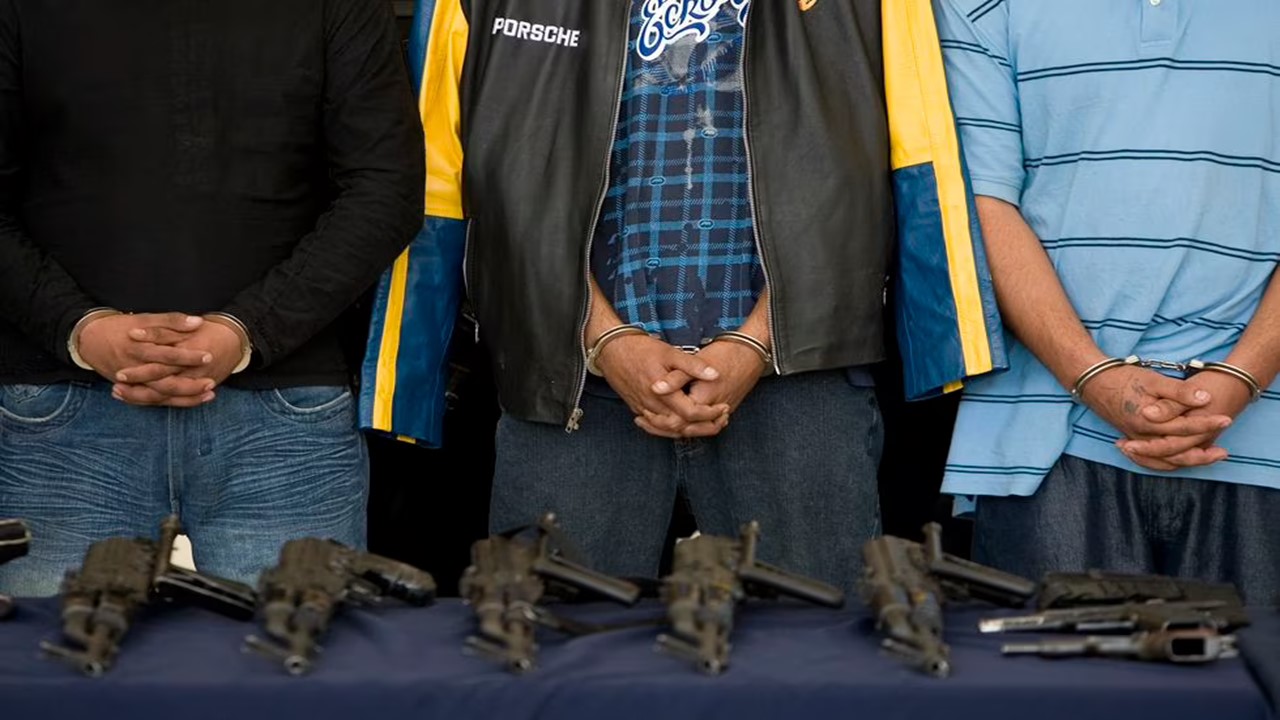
(507, 580)
(121, 575)
(906, 585)
(312, 580)
(15, 541)
(710, 576)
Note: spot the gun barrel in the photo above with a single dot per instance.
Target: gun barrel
(1049, 648)
(96, 657)
(710, 660)
(295, 663)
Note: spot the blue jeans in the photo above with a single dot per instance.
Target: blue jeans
(245, 473)
(800, 456)
(1087, 515)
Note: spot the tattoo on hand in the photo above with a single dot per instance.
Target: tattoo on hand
(1130, 407)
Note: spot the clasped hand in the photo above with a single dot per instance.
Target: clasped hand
(675, 394)
(1167, 423)
(160, 359)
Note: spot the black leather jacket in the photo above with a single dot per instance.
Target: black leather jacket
(538, 122)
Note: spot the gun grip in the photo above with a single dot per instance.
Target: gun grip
(796, 586)
(225, 597)
(580, 576)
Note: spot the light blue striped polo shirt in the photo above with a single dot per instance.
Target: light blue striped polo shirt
(1141, 139)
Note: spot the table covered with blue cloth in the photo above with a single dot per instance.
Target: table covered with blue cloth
(789, 661)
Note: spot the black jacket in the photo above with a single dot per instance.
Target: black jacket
(260, 158)
(519, 131)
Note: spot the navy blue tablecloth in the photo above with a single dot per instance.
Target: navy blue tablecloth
(1261, 646)
(789, 662)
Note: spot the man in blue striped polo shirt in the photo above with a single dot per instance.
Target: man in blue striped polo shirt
(1126, 155)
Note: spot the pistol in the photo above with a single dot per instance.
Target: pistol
(1130, 617)
(311, 581)
(505, 585)
(1196, 646)
(710, 576)
(1096, 588)
(15, 541)
(119, 576)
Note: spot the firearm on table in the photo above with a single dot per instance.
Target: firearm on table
(15, 540)
(1096, 588)
(121, 575)
(313, 578)
(1167, 619)
(709, 577)
(1201, 645)
(906, 584)
(1154, 615)
(507, 579)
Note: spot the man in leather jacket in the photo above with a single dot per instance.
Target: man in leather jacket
(676, 219)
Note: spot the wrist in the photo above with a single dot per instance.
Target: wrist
(1259, 368)
(746, 340)
(1075, 365)
(234, 324)
(73, 339)
(1245, 380)
(1080, 385)
(602, 341)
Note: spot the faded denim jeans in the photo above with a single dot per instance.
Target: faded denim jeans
(245, 473)
(1087, 515)
(800, 456)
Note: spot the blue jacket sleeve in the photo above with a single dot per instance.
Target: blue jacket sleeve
(406, 365)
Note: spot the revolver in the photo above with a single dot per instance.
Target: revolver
(120, 575)
(312, 580)
(505, 584)
(15, 541)
(710, 576)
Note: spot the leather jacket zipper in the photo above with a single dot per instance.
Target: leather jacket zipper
(466, 276)
(751, 193)
(575, 417)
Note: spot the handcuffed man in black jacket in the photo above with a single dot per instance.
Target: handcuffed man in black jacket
(678, 219)
(191, 193)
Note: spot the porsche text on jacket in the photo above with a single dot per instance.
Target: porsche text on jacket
(552, 34)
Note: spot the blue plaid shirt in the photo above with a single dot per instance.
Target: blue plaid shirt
(675, 246)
